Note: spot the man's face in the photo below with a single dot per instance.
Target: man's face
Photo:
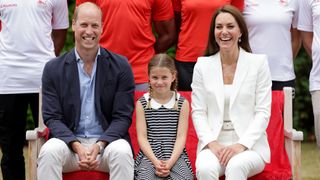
(87, 29)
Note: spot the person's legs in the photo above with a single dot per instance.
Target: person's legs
(54, 158)
(244, 165)
(13, 112)
(33, 100)
(185, 73)
(208, 166)
(315, 95)
(117, 158)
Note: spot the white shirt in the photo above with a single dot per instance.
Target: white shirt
(25, 41)
(269, 23)
(309, 20)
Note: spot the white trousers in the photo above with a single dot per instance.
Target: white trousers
(315, 95)
(55, 157)
(239, 167)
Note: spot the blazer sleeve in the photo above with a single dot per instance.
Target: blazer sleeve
(123, 105)
(51, 108)
(262, 107)
(199, 107)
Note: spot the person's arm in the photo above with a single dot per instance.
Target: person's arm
(181, 135)
(307, 41)
(58, 38)
(262, 105)
(177, 20)
(295, 42)
(166, 35)
(142, 137)
(121, 89)
(52, 112)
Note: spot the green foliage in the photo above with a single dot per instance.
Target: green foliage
(303, 115)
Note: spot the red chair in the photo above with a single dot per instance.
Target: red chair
(282, 138)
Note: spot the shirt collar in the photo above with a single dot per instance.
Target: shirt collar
(78, 56)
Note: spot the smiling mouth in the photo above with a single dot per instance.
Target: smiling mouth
(88, 38)
(225, 39)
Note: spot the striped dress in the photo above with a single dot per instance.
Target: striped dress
(162, 126)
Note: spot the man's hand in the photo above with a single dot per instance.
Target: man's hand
(87, 156)
(92, 154)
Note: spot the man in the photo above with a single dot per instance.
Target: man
(128, 31)
(87, 105)
(31, 33)
(308, 24)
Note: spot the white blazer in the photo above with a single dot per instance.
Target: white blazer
(250, 101)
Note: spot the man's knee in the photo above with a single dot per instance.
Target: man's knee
(53, 148)
(119, 149)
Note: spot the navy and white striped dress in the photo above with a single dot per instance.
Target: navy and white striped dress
(162, 126)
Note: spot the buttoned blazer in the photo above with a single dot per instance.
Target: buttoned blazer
(114, 96)
(250, 101)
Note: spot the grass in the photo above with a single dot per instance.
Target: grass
(310, 162)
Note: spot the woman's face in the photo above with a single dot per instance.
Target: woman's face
(227, 32)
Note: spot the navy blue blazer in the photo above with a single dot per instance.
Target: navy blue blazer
(114, 96)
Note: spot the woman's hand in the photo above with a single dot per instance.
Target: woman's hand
(215, 148)
(228, 152)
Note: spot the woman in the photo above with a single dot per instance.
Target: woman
(272, 27)
(231, 101)
(192, 24)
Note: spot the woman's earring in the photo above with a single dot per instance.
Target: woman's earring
(239, 40)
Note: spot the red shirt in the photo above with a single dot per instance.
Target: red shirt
(127, 29)
(196, 17)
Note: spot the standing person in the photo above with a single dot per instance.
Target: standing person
(31, 33)
(87, 105)
(231, 102)
(128, 31)
(272, 27)
(162, 125)
(192, 19)
(308, 24)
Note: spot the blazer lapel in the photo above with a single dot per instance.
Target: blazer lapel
(240, 74)
(72, 82)
(215, 73)
(103, 66)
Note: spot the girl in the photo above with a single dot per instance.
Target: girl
(162, 124)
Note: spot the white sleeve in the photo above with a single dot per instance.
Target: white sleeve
(295, 5)
(60, 19)
(199, 107)
(305, 16)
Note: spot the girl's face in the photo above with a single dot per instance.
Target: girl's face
(227, 32)
(161, 79)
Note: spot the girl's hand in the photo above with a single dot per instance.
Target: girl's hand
(161, 169)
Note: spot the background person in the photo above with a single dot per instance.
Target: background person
(31, 33)
(231, 102)
(272, 27)
(128, 31)
(193, 19)
(308, 24)
(87, 105)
